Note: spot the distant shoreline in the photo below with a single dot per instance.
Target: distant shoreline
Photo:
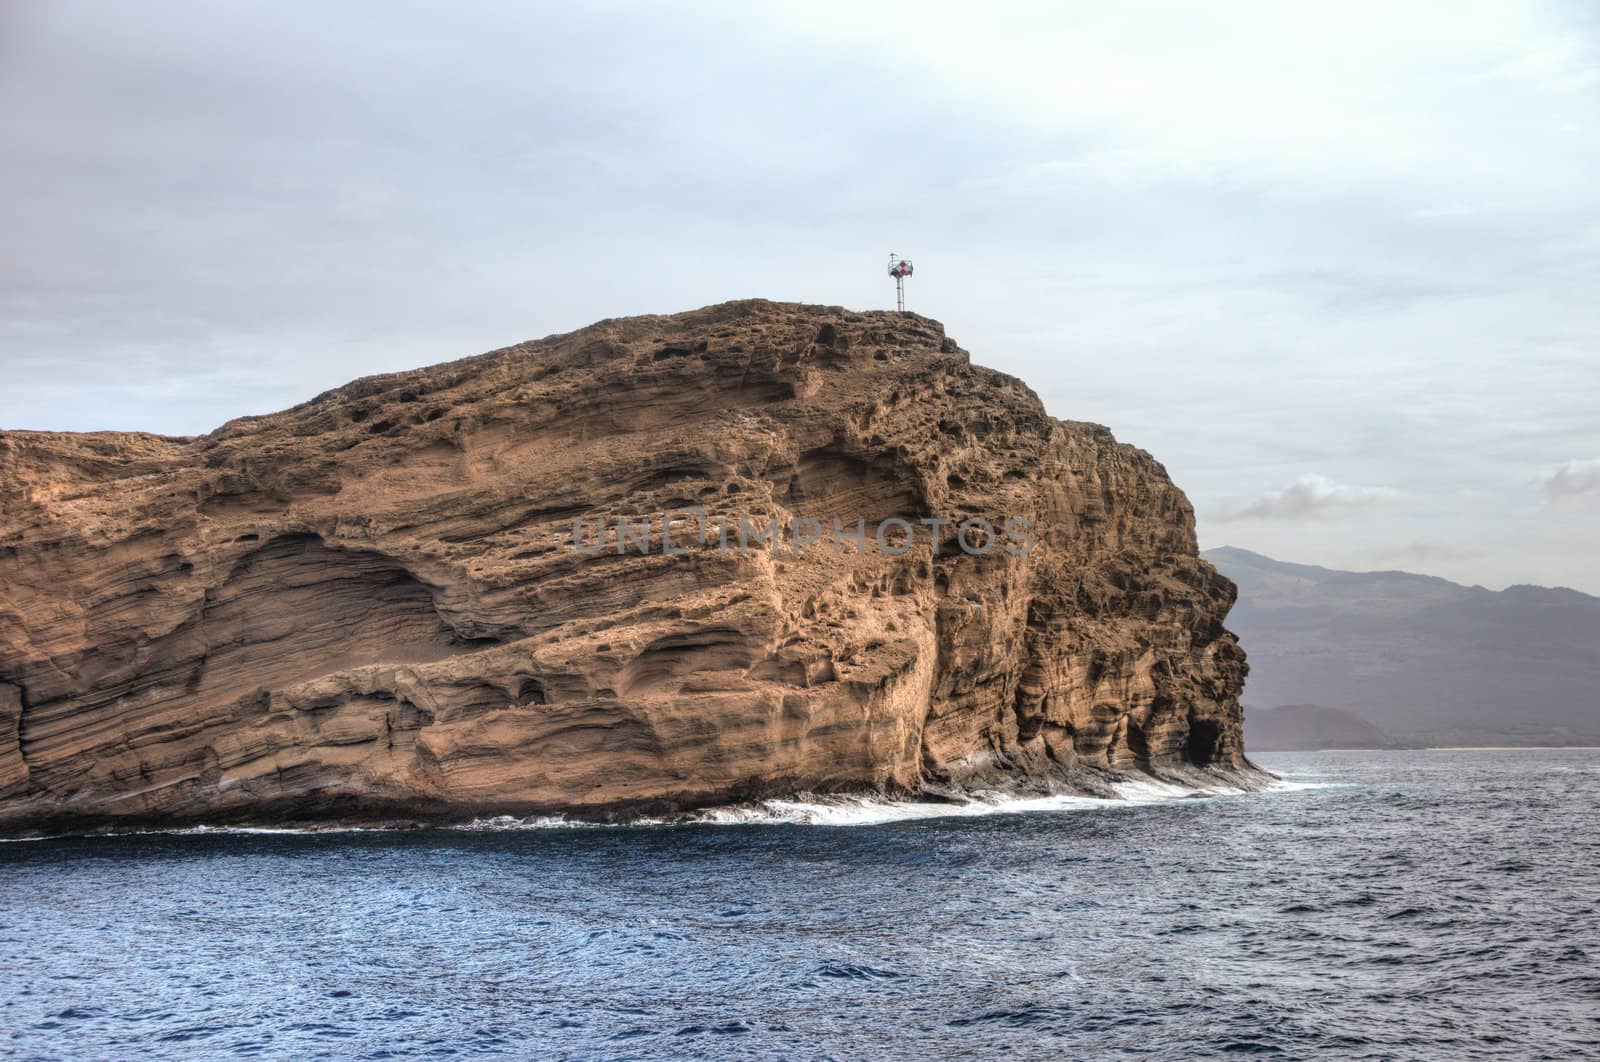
(1506, 748)
(1442, 748)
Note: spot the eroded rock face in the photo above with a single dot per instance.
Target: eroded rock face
(372, 605)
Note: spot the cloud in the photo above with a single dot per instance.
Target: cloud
(1250, 258)
(1579, 476)
(1311, 497)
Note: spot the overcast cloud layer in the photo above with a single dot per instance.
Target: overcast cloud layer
(1338, 266)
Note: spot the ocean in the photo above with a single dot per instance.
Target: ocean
(1381, 905)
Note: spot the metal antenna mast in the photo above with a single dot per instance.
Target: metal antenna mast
(899, 268)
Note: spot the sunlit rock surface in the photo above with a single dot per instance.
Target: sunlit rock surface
(371, 606)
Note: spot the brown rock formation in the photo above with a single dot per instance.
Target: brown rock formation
(371, 605)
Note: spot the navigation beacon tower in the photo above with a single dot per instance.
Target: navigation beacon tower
(899, 268)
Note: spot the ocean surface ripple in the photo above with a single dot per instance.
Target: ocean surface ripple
(1390, 905)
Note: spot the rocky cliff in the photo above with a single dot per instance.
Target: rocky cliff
(412, 597)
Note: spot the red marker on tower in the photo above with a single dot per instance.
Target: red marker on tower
(899, 268)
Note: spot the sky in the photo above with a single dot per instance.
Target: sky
(1337, 266)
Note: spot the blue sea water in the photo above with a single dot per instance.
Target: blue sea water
(1429, 905)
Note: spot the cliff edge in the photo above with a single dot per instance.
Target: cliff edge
(520, 583)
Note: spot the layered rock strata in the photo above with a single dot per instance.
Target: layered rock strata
(432, 595)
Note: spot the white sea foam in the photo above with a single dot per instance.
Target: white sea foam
(873, 811)
(811, 810)
(1294, 783)
(499, 823)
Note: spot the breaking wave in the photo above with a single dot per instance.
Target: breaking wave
(814, 810)
(801, 810)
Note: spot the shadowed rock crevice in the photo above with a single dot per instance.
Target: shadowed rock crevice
(296, 609)
(1204, 743)
(828, 484)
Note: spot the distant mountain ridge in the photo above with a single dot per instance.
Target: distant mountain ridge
(1425, 660)
(1311, 726)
